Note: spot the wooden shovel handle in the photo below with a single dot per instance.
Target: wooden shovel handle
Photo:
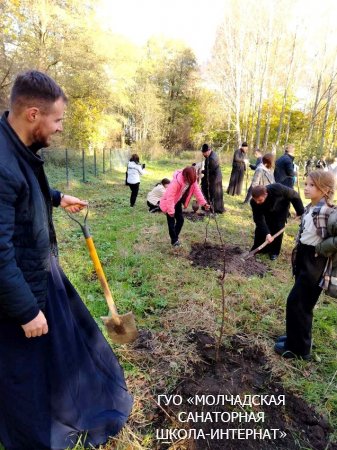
(252, 253)
(101, 277)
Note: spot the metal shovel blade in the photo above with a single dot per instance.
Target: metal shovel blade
(123, 332)
(121, 328)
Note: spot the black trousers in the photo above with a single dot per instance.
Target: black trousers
(302, 299)
(175, 223)
(275, 223)
(152, 206)
(134, 193)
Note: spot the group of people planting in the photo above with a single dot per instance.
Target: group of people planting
(60, 380)
(271, 192)
(171, 196)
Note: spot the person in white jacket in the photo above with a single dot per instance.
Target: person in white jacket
(134, 171)
(154, 196)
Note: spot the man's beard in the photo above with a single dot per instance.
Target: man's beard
(39, 141)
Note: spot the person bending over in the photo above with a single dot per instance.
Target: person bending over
(154, 196)
(270, 206)
(178, 194)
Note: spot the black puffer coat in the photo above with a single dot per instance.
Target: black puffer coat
(27, 235)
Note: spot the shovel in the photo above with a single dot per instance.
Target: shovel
(121, 328)
(248, 255)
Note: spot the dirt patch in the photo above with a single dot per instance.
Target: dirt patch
(241, 371)
(144, 341)
(208, 255)
(101, 203)
(194, 217)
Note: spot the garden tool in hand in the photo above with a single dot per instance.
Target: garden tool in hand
(248, 255)
(121, 328)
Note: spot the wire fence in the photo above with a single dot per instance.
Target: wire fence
(82, 165)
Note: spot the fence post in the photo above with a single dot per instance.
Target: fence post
(67, 168)
(110, 159)
(95, 162)
(103, 159)
(83, 166)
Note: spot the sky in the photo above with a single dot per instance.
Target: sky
(193, 21)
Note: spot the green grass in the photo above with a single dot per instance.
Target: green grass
(155, 282)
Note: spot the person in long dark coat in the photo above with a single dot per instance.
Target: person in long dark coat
(60, 380)
(270, 205)
(211, 183)
(309, 165)
(284, 167)
(258, 155)
(238, 170)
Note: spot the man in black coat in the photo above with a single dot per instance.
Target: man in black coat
(54, 388)
(258, 155)
(270, 206)
(284, 172)
(239, 167)
(211, 183)
(27, 233)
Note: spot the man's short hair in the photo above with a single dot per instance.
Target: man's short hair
(258, 191)
(289, 148)
(34, 88)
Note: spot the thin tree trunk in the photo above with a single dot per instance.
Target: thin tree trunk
(267, 130)
(330, 94)
(314, 110)
(266, 60)
(333, 133)
(325, 121)
(285, 95)
(288, 128)
(253, 74)
(228, 127)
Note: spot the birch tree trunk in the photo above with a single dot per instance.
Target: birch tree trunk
(325, 120)
(285, 95)
(314, 109)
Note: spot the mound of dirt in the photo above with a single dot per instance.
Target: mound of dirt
(144, 341)
(208, 255)
(241, 372)
(193, 217)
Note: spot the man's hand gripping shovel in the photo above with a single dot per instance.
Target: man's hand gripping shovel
(121, 328)
(248, 255)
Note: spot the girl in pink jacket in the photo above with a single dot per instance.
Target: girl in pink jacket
(178, 193)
